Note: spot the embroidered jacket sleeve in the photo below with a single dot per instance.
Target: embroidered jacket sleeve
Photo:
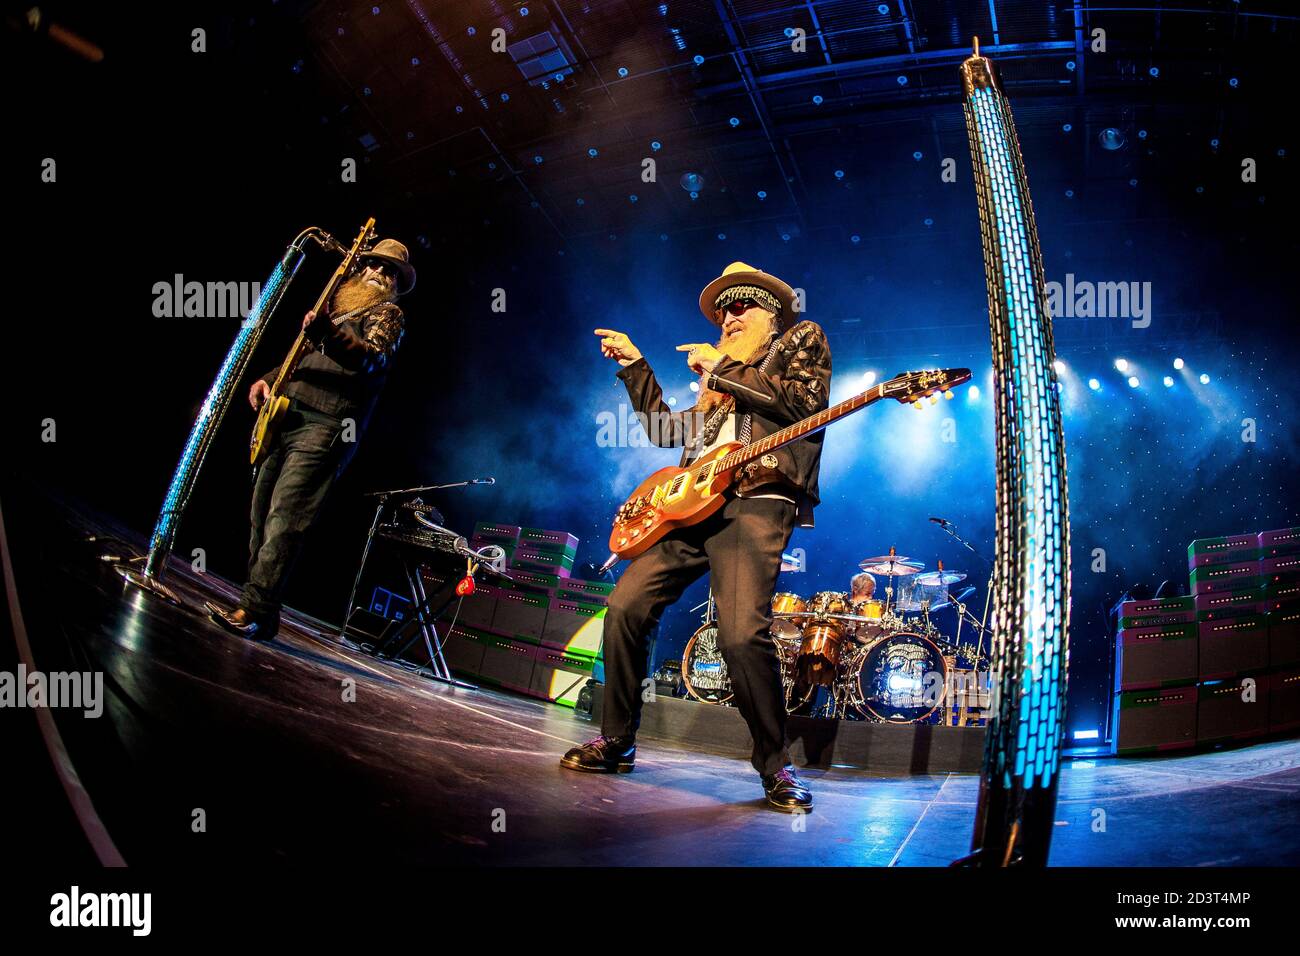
(663, 426)
(372, 350)
(799, 389)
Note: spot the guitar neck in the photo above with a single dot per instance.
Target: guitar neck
(300, 344)
(800, 429)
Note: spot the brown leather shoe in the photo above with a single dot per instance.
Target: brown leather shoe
(239, 622)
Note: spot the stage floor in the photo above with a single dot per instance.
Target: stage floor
(263, 745)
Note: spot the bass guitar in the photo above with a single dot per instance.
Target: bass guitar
(273, 410)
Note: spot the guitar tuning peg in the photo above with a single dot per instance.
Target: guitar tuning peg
(934, 399)
(948, 394)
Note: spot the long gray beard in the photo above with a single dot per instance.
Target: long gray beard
(356, 294)
(750, 344)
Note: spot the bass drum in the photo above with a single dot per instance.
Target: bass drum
(903, 679)
(704, 672)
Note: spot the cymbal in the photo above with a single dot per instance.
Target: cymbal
(894, 566)
(934, 578)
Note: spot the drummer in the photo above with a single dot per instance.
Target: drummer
(861, 588)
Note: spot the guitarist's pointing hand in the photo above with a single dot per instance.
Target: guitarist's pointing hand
(258, 394)
(700, 356)
(618, 346)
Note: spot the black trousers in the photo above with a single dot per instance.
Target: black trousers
(740, 545)
(291, 487)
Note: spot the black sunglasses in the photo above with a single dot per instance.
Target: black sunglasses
(739, 307)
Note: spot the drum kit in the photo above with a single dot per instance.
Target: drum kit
(880, 660)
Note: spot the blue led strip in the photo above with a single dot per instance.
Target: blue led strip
(214, 407)
(1031, 576)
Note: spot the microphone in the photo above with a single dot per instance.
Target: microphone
(326, 241)
(941, 521)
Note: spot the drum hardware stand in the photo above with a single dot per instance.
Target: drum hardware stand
(949, 528)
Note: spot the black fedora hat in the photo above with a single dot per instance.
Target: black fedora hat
(393, 253)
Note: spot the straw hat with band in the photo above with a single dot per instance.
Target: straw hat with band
(742, 281)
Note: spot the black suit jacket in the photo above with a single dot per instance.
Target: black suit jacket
(795, 384)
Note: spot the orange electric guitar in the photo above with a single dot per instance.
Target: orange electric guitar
(678, 497)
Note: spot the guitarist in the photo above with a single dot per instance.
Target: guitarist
(767, 371)
(332, 394)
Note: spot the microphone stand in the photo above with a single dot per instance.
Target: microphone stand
(384, 497)
(947, 527)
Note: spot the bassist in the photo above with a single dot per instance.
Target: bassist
(767, 371)
(332, 393)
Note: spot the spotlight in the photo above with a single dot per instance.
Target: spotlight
(1094, 384)
(1179, 363)
(973, 393)
(1133, 381)
(1112, 138)
(1169, 381)
(1058, 365)
(691, 182)
(695, 386)
(869, 379)
(1121, 365)
(1205, 379)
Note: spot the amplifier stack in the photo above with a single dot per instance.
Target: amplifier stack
(538, 634)
(1221, 664)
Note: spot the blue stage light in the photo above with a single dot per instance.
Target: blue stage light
(1094, 384)
(1059, 366)
(1169, 381)
(972, 393)
(869, 379)
(692, 182)
(1133, 381)
(1121, 365)
(817, 100)
(1112, 138)
(1179, 363)
(1086, 735)
(1205, 379)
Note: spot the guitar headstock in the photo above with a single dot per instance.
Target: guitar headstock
(911, 387)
